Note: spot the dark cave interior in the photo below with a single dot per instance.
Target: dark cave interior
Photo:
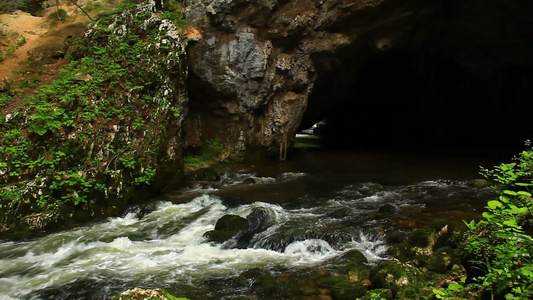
(426, 93)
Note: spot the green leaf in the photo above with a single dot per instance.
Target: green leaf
(494, 204)
(512, 193)
(523, 193)
(510, 223)
(454, 287)
(505, 198)
(487, 215)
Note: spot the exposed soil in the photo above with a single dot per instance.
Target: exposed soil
(41, 38)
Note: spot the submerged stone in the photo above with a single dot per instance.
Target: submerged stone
(388, 209)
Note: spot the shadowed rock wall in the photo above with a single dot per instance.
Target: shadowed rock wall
(262, 68)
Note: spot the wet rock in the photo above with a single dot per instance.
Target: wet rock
(340, 213)
(355, 256)
(388, 209)
(354, 261)
(226, 227)
(257, 221)
(232, 201)
(204, 174)
(480, 183)
(249, 180)
(396, 237)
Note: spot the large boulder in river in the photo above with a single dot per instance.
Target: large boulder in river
(258, 221)
(227, 227)
(240, 230)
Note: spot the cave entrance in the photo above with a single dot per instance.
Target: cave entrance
(401, 98)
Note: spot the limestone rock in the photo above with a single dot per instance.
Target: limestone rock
(261, 64)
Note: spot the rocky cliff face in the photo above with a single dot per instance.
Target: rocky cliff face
(253, 71)
(105, 134)
(261, 65)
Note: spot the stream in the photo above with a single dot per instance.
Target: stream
(320, 206)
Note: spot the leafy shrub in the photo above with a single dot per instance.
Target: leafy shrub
(59, 15)
(501, 246)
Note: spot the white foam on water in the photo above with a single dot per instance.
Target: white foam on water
(310, 251)
(289, 176)
(106, 251)
(166, 245)
(373, 248)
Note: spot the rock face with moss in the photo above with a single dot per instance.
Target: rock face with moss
(107, 132)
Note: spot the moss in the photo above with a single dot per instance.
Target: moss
(393, 275)
(267, 286)
(347, 290)
(420, 237)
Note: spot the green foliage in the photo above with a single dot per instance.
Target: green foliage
(501, 244)
(173, 11)
(99, 122)
(5, 98)
(172, 297)
(59, 15)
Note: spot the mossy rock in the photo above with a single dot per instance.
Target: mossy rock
(416, 291)
(268, 287)
(226, 227)
(140, 294)
(442, 260)
(393, 275)
(404, 281)
(355, 256)
(396, 237)
(344, 289)
(420, 237)
(402, 251)
(378, 294)
(328, 282)
(204, 174)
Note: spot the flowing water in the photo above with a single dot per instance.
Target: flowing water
(319, 207)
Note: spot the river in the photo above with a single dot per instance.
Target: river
(321, 205)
